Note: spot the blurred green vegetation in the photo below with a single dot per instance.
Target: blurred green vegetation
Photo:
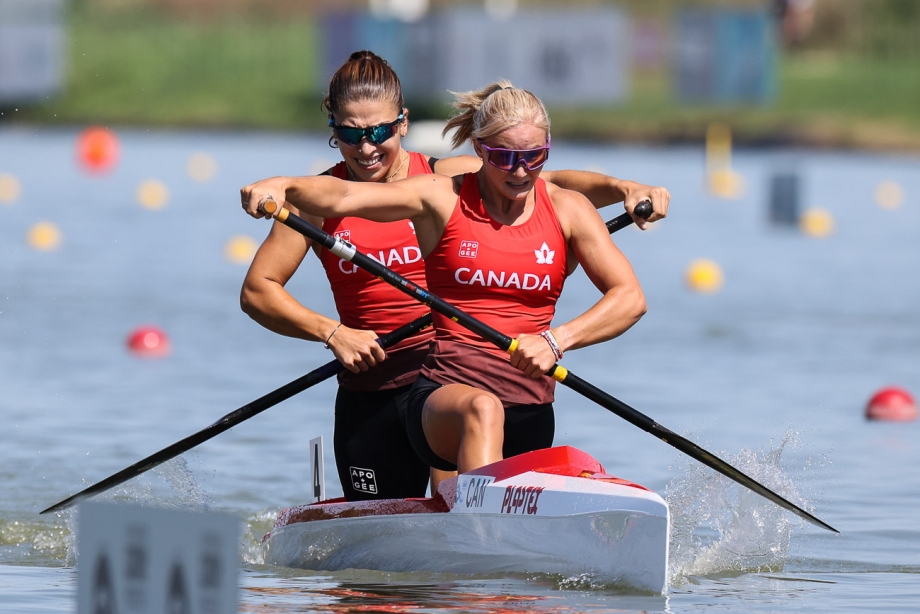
(853, 82)
(144, 67)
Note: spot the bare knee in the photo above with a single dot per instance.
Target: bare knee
(464, 425)
(484, 413)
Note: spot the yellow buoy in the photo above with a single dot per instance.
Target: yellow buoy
(721, 180)
(152, 194)
(201, 167)
(718, 146)
(240, 249)
(817, 223)
(889, 195)
(725, 183)
(704, 276)
(44, 236)
(9, 189)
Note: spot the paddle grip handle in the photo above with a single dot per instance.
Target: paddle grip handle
(269, 206)
(644, 209)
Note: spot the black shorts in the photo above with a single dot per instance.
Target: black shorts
(527, 427)
(373, 456)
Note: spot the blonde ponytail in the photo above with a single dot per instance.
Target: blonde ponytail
(496, 107)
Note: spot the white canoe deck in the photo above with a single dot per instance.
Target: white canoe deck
(552, 511)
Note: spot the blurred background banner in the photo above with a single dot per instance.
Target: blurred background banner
(816, 72)
(31, 50)
(566, 56)
(725, 55)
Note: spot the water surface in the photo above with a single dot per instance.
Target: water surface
(772, 373)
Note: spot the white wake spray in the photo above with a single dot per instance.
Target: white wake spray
(719, 526)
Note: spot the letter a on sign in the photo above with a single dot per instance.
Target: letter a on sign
(103, 601)
(135, 559)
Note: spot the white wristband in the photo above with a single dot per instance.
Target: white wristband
(553, 344)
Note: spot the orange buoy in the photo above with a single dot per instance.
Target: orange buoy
(149, 342)
(98, 149)
(892, 404)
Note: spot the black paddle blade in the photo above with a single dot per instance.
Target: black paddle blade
(234, 418)
(227, 422)
(685, 445)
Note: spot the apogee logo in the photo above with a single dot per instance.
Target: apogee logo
(363, 480)
(344, 235)
(469, 249)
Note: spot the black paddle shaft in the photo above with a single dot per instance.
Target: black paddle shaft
(348, 252)
(643, 209)
(333, 367)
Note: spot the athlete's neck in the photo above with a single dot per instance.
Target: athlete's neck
(502, 208)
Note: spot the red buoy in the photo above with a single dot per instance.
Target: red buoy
(97, 149)
(149, 342)
(892, 404)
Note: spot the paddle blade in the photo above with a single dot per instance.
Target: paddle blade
(234, 418)
(223, 424)
(685, 445)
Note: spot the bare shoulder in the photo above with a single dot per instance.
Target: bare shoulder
(570, 206)
(428, 196)
(457, 165)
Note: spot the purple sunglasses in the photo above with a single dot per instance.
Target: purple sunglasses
(508, 159)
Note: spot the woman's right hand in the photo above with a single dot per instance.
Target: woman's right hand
(255, 194)
(357, 350)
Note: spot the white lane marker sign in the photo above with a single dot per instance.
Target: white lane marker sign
(317, 469)
(133, 559)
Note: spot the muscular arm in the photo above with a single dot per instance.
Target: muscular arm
(325, 197)
(603, 190)
(427, 200)
(622, 302)
(265, 299)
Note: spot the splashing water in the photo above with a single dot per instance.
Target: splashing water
(181, 492)
(720, 526)
(252, 551)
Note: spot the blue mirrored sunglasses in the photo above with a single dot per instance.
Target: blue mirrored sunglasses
(508, 159)
(375, 134)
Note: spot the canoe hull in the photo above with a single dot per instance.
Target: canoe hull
(568, 520)
(623, 549)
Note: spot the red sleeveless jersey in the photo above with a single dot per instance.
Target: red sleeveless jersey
(508, 277)
(368, 303)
